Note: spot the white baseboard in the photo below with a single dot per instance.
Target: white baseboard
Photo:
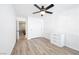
(59, 45)
(72, 47)
(3, 54)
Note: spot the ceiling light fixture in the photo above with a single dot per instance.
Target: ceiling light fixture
(42, 12)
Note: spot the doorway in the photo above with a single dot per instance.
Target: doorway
(21, 29)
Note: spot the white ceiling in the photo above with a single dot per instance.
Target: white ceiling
(27, 9)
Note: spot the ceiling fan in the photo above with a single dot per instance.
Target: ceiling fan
(43, 10)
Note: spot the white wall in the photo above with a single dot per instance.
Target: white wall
(71, 28)
(35, 27)
(51, 30)
(65, 23)
(46, 27)
(7, 29)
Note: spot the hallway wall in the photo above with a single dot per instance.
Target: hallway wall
(7, 28)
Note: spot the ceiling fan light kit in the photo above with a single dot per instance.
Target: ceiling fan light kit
(43, 10)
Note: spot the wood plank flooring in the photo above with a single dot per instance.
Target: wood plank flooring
(40, 46)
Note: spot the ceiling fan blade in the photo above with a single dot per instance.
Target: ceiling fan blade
(49, 6)
(36, 12)
(49, 12)
(37, 6)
